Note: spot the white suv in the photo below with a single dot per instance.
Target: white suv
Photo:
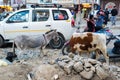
(36, 21)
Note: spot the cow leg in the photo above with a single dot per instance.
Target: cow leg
(105, 55)
(97, 54)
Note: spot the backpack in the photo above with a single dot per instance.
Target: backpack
(116, 48)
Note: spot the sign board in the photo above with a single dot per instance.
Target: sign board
(31, 1)
(110, 5)
(62, 1)
(45, 1)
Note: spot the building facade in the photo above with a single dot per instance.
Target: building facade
(110, 3)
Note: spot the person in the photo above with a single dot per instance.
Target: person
(60, 16)
(72, 12)
(99, 22)
(114, 13)
(90, 24)
(106, 18)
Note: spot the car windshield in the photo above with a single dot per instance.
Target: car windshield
(4, 15)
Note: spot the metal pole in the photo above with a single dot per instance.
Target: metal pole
(93, 6)
(78, 15)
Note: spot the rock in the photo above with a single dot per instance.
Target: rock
(101, 73)
(78, 67)
(95, 77)
(87, 75)
(92, 61)
(68, 67)
(52, 62)
(115, 73)
(87, 65)
(71, 55)
(3, 63)
(87, 69)
(55, 77)
(106, 66)
(118, 69)
(76, 58)
(65, 58)
(93, 69)
(61, 64)
(113, 68)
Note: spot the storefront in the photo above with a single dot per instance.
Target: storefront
(109, 4)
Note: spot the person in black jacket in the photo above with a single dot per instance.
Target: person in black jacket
(114, 12)
(106, 18)
(90, 24)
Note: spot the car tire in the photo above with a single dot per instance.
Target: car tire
(1, 41)
(57, 44)
(66, 49)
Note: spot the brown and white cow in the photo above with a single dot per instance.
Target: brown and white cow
(87, 42)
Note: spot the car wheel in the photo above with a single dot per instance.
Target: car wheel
(66, 49)
(1, 41)
(57, 44)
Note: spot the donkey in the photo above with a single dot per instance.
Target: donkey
(24, 42)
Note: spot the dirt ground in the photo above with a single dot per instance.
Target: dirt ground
(19, 70)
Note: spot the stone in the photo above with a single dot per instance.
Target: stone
(68, 67)
(113, 68)
(55, 77)
(61, 64)
(101, 73)
(106, 66)
(87, 65)
(76, 58)
(118, 69)
(93, 69)
(87, 75)
(92, 61)
(95, 77)
(52, 62)
(78, 67)
(71, 55)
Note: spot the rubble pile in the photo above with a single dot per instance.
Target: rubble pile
(83, 68)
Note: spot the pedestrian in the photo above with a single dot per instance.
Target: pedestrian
(90, 24)
(114, 13)
(99, 22)
(72, 12)
(106, 18)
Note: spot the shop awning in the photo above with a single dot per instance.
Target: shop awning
(8, 8)
(86, 5)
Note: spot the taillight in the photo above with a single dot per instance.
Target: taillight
(73, 22)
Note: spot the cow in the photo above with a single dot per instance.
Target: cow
(87, 42)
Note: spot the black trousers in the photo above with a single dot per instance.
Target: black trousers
(97, 28)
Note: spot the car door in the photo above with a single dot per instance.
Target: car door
(17, 24)
(40, 22)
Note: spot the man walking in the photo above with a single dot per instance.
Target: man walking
(114, 12)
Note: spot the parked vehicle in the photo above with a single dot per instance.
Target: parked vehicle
(34, 21)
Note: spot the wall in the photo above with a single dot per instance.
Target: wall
(111, 3)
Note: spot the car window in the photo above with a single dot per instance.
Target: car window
(40, 15)
(59, 15)
(22, 16)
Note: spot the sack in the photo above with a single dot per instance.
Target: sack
(116, 48)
